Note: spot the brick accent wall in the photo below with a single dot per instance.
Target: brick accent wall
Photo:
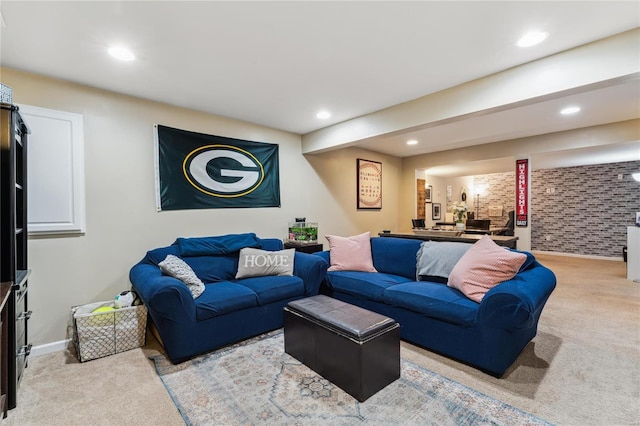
(584, 210)
(581, 210)
(500, 190)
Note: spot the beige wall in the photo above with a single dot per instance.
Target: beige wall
(337, 170)
(122, 222)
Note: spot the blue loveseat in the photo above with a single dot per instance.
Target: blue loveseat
(488, 335)
(229, 309)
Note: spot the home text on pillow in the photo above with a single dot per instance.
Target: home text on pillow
(259, 263)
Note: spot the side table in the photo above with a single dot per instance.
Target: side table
(303, 247)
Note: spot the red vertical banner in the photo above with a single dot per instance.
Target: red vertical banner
(522, 192)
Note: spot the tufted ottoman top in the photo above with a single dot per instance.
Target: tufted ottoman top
(353, 321)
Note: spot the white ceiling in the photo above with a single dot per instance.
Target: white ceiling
(278, 63)
(616, 103)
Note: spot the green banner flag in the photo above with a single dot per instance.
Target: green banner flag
(200, 171)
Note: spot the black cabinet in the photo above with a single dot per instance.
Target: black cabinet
(5, 292)
(13, 243)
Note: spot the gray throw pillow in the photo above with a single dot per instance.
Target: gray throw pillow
(178, 268)
(437, 259)
(259, 263)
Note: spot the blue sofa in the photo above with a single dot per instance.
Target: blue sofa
(488, 335)
(229, 309)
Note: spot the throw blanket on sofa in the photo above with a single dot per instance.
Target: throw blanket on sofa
(224, 244)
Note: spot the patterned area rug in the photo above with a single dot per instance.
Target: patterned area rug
(256, 382)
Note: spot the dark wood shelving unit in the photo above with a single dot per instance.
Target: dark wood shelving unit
(14, 272)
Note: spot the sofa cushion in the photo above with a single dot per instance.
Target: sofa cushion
(436, 259)
(223, 244)
(484, 266)
(395, 256)
(350, 253)
(259, 263)
(214, 268)
(223, 267)
(270, 289)
(367, 285)
(434, 300)
(177, 268)
(224, 297)
(272, 244)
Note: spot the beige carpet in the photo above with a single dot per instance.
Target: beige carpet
(583, 368)
(121, 389)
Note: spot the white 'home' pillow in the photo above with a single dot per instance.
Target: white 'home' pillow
(254, 262)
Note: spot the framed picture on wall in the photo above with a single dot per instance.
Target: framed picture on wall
(435, 211)
(369, 190)
(428, 194)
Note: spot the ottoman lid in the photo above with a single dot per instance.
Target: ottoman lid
(351, 320)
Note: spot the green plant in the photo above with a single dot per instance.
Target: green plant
(303, 232)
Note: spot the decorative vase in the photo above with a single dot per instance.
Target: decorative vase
(460, 226)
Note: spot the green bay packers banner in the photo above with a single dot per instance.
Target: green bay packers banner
(200, 171)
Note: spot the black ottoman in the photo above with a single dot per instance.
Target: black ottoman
(355, 349)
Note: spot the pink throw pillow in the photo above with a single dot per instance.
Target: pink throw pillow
(350, 253)
(484, 266)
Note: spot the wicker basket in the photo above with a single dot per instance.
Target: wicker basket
(96, 335)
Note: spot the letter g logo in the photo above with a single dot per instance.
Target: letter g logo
(223, 170)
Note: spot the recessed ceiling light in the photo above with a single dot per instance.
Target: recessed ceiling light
(323, 115)
(532, 38)
(570, 110)
(121, 53)
(412, 142)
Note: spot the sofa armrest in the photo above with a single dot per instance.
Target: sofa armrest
(518, 303)
(312, 269)
(163, 295)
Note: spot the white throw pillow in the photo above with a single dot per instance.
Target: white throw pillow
(178, 268)
(254, 262)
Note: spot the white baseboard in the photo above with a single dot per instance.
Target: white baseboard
(48, 348)
(583, 256)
